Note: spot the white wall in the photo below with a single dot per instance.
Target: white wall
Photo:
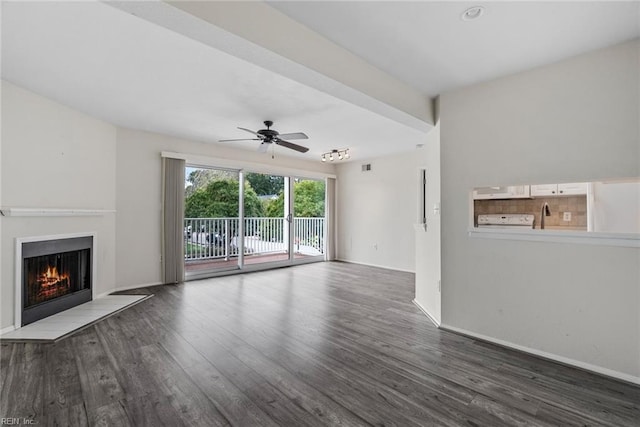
(139, 196)
(574, 121)
(54, 157)
(377, 210)
(428, 241)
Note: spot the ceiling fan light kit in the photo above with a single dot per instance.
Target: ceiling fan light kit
(268, 136)
(341, 154)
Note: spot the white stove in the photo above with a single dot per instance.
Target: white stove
(506, 221)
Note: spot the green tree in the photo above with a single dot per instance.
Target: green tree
(219, 199)
(200, 178)
(265, 185)
(275, 207)
(308, 200)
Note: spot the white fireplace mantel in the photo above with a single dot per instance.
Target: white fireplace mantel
(53, 212)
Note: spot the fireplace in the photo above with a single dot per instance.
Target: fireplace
(55, 275)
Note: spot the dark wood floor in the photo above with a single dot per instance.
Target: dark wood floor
(318, 344)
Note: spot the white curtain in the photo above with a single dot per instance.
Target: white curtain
(330, 218)
(173, 220)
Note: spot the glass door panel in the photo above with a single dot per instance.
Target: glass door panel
(266, 219)
(211, 221)
(308, 219)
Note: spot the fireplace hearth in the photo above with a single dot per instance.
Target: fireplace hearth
(56, 275)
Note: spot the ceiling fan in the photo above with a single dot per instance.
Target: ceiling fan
(268, 136)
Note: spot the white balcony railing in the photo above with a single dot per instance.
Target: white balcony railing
(217, 238)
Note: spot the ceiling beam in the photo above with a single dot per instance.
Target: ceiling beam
(262, 35)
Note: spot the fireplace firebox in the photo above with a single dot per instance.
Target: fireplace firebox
(56, 275)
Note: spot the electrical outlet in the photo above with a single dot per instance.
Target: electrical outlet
(566, 216)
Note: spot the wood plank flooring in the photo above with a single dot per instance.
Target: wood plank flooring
(313, 345)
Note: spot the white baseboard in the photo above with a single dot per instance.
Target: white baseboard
(386, 267)
(426, 313)
(127, 288)
(7, 329)
(543, 354)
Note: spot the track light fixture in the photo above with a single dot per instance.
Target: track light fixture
(341, 154)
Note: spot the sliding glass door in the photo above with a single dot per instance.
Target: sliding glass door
(266, 219)
(212, 220)
(237, 220)
(308, 212)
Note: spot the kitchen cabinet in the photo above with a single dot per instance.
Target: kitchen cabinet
(544, 190)
(505, 192)
(571, 189)
(568, 189)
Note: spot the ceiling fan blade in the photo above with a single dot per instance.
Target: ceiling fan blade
(291, 145)
(262, 148)
(295, 135)
(241, 139)
(250, 131)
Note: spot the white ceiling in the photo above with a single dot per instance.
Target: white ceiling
(133, 73)
(427, 45)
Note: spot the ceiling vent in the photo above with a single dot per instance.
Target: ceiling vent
(366, 167)
(472, 13)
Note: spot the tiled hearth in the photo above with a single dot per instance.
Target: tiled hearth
(59, 325)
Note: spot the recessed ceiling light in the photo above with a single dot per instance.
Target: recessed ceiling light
(472, 13)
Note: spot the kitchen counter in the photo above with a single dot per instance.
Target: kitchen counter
(562, 227)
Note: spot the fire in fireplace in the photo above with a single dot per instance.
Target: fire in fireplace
(51, 284)
(53, 276)
(56, 275)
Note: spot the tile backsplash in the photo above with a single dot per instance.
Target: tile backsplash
(577, 205)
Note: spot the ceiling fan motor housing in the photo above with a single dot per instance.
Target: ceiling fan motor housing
(268, 133)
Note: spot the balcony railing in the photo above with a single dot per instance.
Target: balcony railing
(217, 238)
